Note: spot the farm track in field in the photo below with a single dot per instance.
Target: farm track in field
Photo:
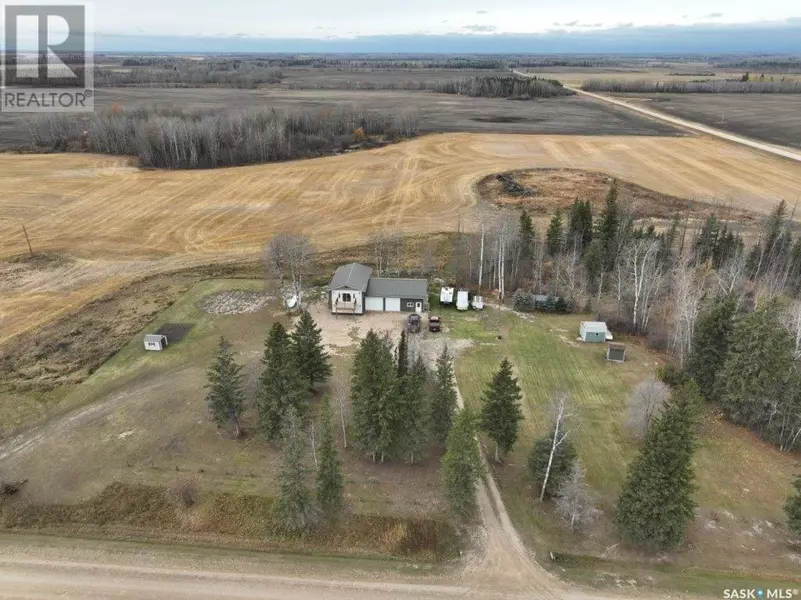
(119, 223)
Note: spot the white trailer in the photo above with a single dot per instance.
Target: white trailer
(462, 300)
(446, 295)
(478, 302)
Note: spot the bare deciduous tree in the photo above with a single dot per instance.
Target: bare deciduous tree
(560, 406)
(289, 254)
(643, 273)
(792, 320)
(575, 503)
(645, 402)
(388, 250)
(686, 295)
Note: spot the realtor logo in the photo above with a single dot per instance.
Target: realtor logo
(47, 61)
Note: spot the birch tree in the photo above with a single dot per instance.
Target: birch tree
(290, 254)
(552, 456)
(644, 275)
(686, 295)
(792, 320)
(575, 502)
(644, 404)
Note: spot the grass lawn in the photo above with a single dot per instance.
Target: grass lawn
(742, 482)
(154, 428)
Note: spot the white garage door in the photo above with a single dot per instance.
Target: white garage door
(372, 303)
(393, 304)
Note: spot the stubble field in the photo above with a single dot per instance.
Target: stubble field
(118, 223)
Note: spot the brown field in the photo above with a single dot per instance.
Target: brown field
(773, 118)
(119, 223)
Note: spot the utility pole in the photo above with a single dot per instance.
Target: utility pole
(27, 239)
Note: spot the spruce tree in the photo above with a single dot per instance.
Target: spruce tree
(656, 505)
(609, 229)
(757, 367)
(579, 224)
(793, 508)
(501, 412)
(330, 481)
(554, 237)
(563, 459)
(373, 388)
(413, 414)
(224, 396)
(443, 398)
(310, 356)
(403, 354)
(281, 385)
(461, 465)
(710, 344)
(294, 509)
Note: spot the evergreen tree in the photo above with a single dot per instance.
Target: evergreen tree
(609, 229)
(403, 354)
(793, 508)
(413, 422)
(554, 237)
(501, 412)
(706, 244)
(443, 398)
(579, 224)
(461, 465)
(710, 344)
(563, 459)
(757, 368)
(656, 505)
(224, 396)
(330, 481)
(373, 388)
(310, 356)
(281, 385)
(294, 509)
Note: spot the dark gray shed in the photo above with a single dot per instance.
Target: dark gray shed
(616, 352)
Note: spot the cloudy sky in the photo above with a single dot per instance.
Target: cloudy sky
(349, 18)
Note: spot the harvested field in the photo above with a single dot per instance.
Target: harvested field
(118, 224)
(438, 112)
(772, 118)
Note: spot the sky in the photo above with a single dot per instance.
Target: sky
(447, 26)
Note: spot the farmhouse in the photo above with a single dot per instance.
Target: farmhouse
(594, 331)
(353, 290)
(155, 341)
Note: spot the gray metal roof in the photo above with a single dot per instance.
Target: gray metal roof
(398, 288)
(154, 337)
(352, 277)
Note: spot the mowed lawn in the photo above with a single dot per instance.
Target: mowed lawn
(742, 482)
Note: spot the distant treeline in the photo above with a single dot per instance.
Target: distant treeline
(179, 72)
(717, 86)
(175, 139)
(516, 88)
(781, 65)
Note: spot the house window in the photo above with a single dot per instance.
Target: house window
(345, 297)
(410, 305)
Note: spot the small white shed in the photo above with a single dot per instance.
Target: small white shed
(155, 341)
(594, 332)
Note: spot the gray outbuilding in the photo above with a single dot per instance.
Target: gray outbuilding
(594, 332)
(155, 341)
(397, 295)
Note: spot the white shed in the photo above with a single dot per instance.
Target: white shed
(155, 341)
(594, 332)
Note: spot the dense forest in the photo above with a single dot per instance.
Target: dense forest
(515, 88)
(176, 139)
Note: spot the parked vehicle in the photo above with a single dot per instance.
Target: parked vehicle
(413, 323)
(478, 302)
(446, 295)
(463, 300)
(434, 323)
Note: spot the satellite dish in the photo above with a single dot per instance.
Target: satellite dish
(291, 302)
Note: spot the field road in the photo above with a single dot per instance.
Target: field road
(685, 124)
(117, 223)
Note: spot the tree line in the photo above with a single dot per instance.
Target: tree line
(175, 72)
(716, 86)
(509, 86)
(178, 139)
